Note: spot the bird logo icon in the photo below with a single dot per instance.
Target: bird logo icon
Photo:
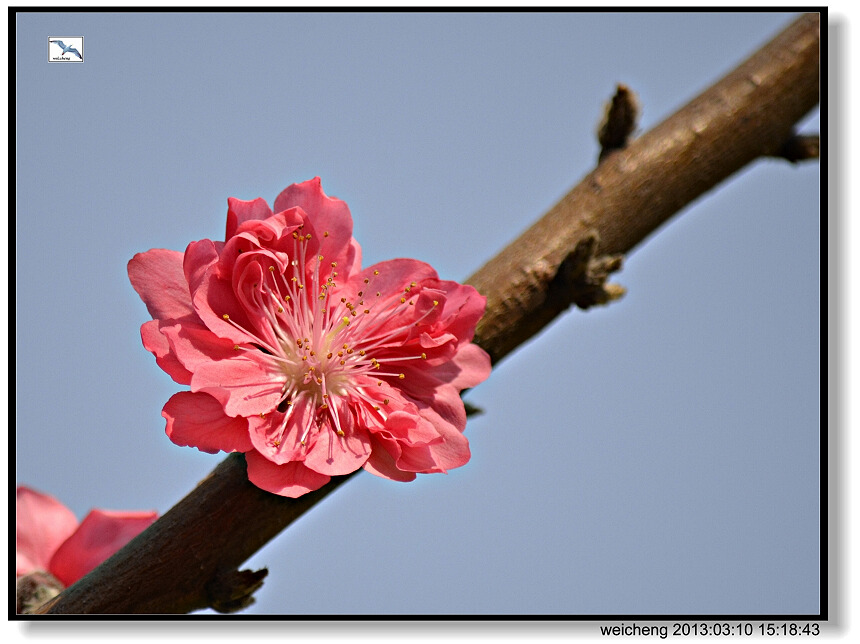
(67, 49)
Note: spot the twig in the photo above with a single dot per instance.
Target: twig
(174, 565)
(800, 147)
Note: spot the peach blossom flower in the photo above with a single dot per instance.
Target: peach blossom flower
(295, 356)
(49, 538)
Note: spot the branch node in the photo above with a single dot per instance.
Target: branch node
(582, 275)
(33, 590)
(620, 118)
(232, 590)
(800, 147)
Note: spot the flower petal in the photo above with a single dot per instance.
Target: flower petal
(330, 223)
(100, 535)
(382, 461)
(156, 342)
(198, 420)
(239, 211)
(158, 278)
(291, 479)
(331, 454)
(245, 385)
(278, 435)
(42, 524)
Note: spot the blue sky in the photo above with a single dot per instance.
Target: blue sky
(657, 456)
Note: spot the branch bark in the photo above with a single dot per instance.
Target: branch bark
(188, 559)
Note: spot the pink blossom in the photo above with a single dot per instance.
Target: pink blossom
(49, 538)
(297, 357)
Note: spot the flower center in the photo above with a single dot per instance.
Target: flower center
(322, 346)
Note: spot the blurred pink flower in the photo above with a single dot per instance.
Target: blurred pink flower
(295, 356)
(49, 538)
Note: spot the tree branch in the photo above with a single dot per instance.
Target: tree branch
(188, 559)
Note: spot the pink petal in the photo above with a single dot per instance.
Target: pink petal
(413, 437)
(193, 345)
(246, 384)
(392, 276)
(100, 535)
(454, 450)
(333, 455)
(280, 441)
(473, 366)
(382, 462)
(198, 420)
(291, 479)
(42, 524)
(212, 294)
(464, 307)
(156, 342)
(158, 278)
(239, 211)
(329, 220)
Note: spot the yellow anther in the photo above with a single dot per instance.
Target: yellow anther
(386, 401)
(402, 376)
(325, 234)
(225, 316)
(423, 356)
(376, 272)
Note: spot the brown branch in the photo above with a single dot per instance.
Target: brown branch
(750, 113)
(188, 558)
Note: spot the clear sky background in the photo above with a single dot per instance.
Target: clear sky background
(656, 456)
